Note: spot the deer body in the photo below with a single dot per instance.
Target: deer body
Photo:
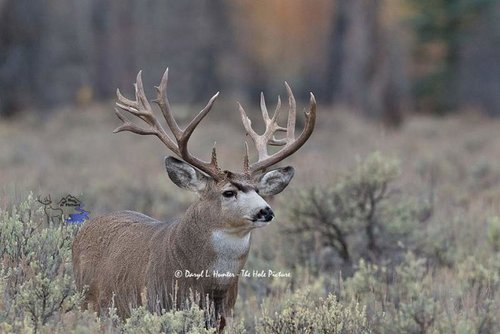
(131, 259)
(147, 275)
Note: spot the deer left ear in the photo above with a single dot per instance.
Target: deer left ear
(273, 182)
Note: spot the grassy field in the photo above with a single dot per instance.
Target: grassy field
(434, 266)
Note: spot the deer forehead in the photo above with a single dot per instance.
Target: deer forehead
(238, 182)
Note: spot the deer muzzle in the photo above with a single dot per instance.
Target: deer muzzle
(264, 215)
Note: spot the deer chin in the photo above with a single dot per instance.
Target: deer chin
(252, 222)
(257, 223)
(260, 223)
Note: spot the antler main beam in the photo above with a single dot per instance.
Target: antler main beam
(141, 108)
(289, 142)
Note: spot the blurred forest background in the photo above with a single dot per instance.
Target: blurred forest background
(380, 58)
(392, 221)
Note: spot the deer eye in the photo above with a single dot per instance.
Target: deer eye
(229, 193)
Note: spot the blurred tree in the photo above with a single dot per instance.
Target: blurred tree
(336, 51)
(346, 51)
(479, 74)
(365, 69)
(193, 38)
(65, 51)
(20, 28)
(43, 53)
(284, 40)
(441, 32)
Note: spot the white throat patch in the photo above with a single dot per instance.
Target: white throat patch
(229, 248)
(230, 245)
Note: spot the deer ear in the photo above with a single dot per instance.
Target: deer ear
(273, 182)
(184, 175)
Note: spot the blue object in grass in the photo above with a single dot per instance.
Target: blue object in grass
(78, 218)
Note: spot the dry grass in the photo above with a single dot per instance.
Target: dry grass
(75, 151)
(454, 162)
(450, 164)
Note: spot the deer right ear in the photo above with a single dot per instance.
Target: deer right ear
(273, 182)
(184, 175)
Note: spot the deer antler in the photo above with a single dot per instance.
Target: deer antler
(141, 108)
(290, 143)
(45, 201)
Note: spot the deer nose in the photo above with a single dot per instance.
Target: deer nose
(266, 214)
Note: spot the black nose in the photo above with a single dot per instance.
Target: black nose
(266, 214)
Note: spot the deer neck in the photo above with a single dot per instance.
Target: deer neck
(221, 249)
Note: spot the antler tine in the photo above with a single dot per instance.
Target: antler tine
(182, 136)
(195, 121)
(259, 141)
(274, 141)
(292, 114)
(263, 108)
(142, 109)
(291, 145)
(277, 112)
(247, 123)
(164, 104)
(213, 160)
(129, 126)
(246, 163)
(272, 126)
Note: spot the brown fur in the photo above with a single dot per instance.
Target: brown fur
(132, 258)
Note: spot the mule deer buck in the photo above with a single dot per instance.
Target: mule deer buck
(132, 259)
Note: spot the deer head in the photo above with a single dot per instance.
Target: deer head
(238, 196)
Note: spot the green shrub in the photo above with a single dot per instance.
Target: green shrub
(494, 233)
(190, 321)
(37, 288)
(299, 313)
(414, 298)
(414, 294)
(356, 216)
(36, 273)
(398, 300)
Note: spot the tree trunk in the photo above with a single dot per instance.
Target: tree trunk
(362, 71)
